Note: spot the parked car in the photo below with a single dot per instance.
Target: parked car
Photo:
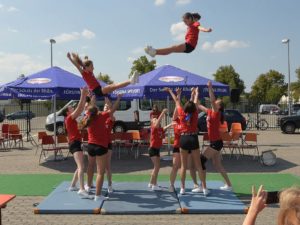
(289, 124)
(20, 115)
(231, 116)
(131, 115)
(268, 108)
(2, 117)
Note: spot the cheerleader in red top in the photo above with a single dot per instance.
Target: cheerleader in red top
(155, 113)
(156, 139)
(176, 152)
(215, 117)
(188, 116)
(191, 37)
(86, 69)
(74, 138)
(98, 143)
(109, 126)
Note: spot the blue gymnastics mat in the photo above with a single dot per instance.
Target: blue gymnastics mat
(137, 198)
(218, 202)
(62, 201)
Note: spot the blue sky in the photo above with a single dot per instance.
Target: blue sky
(246, 34)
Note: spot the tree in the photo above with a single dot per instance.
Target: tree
(105, 78)
(228, 75)
(143, 65)
(268, 88)
(295, 86)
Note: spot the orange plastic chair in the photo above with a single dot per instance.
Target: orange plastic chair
(41, 134)
(4, 130)
(223, 127)
(250, 142)
(48, 145)
(15, 135)
(236, 128)
(229, 143)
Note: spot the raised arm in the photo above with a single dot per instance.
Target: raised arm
(258, 203)
(212, 96)
(75, 62)
(115, 105)
(168, 126)
(161, 116)
(176, 100)
(197, 102)
(203, 29)
(80, 107)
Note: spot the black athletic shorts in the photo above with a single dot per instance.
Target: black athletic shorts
(154, 152)
(109, 146)
(216, 145)
(96, 150)
(98, 91)
(176, 150)
(189, 142)
(188, 48)
(75, 146)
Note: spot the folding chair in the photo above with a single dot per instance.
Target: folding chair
(145, 138)
(48, 145)
(125, 142)
(250, 142)
(4, 133)
(15, 136)
(228, 143)
(63, 143)
(223, 127)
(236, 128)
(136, 141)
(41, 134)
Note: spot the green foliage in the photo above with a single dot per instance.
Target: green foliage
(143, 65)
(228, 75)
(268, 88)
(295, 86)
(105, 78)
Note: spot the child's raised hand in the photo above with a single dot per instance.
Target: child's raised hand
(209, 30)
(178, 91)
(165, 111)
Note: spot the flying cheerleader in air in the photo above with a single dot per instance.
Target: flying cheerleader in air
(191, 37)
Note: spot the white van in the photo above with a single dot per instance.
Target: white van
(131, 115)
(268, 108)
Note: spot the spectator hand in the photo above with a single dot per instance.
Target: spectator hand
(258, 202)
(84, 91)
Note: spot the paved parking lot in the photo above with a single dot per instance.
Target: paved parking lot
(25, 161)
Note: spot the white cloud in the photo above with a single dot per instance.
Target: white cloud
(223, 45)
(88, 34)
(159, 2)
(73, 36)
(14, 64)
(12, 9)
(130, 59)
(12, 30)
(138, 51)
(178, 31)
(183, 2)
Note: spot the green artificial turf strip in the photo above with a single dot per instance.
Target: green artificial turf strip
(43, 184)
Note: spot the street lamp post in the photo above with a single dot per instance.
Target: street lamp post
(52, 41)
(287, 41)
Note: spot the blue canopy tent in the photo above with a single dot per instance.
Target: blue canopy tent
(151, 84)
(52, 83)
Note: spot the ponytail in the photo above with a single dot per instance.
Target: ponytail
(92, 113)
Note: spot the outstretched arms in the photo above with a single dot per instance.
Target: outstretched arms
(84, 92)
(115, 105)
(74, 61)
(175, 98)
(212, 96)
(196, 100)
(203, 29)
(157, 122)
